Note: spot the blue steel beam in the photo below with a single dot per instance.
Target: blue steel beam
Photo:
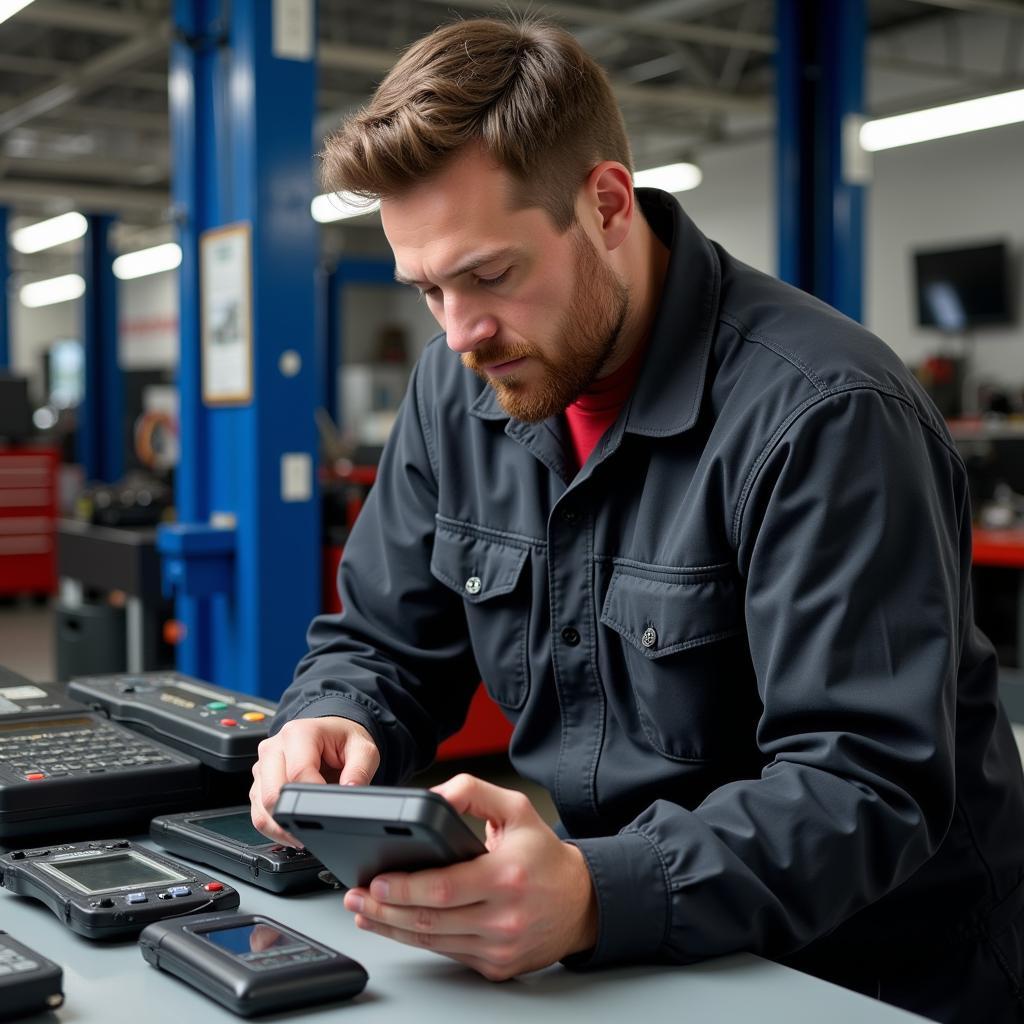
(242, 131)
(5, 337)
(100, 427)
(819, 84)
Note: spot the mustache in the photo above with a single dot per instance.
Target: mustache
(494, 353)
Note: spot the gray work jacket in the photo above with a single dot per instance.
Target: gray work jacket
(737, 645)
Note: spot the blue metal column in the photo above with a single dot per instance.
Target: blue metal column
(5, 337)
(100, 431)
(819, 87)
(242, 135)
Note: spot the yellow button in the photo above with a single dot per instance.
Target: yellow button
(254, 716)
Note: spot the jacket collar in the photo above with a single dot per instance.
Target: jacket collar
(668, 394)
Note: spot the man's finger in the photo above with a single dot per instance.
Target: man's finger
(261, 817)
(470, 795)
(458, 885)
(361, 762)
(448, 944)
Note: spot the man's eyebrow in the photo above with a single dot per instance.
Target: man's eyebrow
(473, 262)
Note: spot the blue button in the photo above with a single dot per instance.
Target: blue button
(137, 897)
(180, 890)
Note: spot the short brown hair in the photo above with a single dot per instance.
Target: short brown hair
(524, 90)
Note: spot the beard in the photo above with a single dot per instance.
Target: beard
(587, 337)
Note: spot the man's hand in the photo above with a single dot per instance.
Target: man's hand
(309, 750)
(524, 904)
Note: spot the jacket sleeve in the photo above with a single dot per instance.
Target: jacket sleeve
(397, 659)
(853, 538)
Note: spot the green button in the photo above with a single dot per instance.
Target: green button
(216, 705)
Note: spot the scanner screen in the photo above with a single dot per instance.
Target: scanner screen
(115, 872)
(235, 826)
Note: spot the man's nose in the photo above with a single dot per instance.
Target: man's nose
(466, 327)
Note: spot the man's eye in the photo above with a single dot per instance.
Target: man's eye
(490, 281)
(430, 293)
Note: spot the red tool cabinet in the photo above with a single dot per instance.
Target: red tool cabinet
(28, 520)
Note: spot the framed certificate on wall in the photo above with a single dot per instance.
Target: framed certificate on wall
(225, 303)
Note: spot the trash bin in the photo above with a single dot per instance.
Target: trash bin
(91, 640)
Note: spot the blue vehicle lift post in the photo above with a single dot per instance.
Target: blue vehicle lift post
(244, 559)
(820, 98)
(100, 430)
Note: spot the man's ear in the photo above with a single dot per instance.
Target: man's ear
(608, 202)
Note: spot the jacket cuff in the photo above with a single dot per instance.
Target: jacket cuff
(632, 899)
(338, 706)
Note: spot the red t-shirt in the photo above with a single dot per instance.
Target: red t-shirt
(597, 409)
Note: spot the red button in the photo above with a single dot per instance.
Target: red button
(213, 886)
(35, 776)
(228, 721)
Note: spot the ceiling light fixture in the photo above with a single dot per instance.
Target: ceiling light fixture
(941, 122)
(670, 178)
(48, 233)
(9, 8)
(147, 261)
(332, 206)
(52, 291)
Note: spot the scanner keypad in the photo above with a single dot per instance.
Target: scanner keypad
(53, 752)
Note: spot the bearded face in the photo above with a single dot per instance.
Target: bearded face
(575, 353)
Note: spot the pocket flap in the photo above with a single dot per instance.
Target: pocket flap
(660, 616)
(477, 567)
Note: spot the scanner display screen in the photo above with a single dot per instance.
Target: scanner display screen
(245, 940)
(235, 826)
(96, 874)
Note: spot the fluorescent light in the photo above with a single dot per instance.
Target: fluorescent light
(52, 291)
(670, 178)
(147, 261)
(940, 122)
(9, 8)
(48, 233)
(340, 206)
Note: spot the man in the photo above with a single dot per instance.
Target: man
(707, 543)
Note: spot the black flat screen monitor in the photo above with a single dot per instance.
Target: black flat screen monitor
(15, 408)
(959, 289)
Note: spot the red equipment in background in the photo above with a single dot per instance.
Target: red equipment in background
(28, 520)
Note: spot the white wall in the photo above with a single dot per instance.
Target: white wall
(735, 203)
(147, 327)
(950, 192)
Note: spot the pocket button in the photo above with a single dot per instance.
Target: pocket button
(570, 636)
(650, 637)
(473, 585)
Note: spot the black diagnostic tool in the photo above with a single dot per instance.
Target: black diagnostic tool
(361, 831)
(250, 963)
(64, 767)
(227, 840)
(221, 727)
(29, 983)
(112, 889)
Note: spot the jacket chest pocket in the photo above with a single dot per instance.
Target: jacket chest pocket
(488, 575)
(673, 646)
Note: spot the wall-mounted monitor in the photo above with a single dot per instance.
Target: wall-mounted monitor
(960, 289)
(65, 373)
(15, 408)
